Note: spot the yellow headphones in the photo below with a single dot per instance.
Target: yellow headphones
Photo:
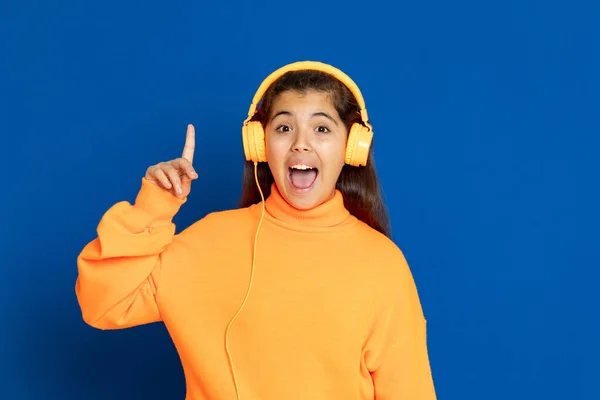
(359, 137)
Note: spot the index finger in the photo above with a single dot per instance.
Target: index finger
(190, 144)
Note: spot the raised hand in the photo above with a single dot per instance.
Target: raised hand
(176, 176)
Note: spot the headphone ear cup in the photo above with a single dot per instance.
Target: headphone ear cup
(246, 142)
(359, 143)
(253, 137)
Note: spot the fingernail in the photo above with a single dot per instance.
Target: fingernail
(178, 189)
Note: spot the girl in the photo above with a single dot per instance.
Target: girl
(299, 293)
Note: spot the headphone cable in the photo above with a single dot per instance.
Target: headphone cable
(249, 285)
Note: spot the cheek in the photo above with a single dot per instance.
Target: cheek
(333, 160)
(337, 153)
(270, 149)
(274, 156)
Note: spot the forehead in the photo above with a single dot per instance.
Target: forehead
(310, 99)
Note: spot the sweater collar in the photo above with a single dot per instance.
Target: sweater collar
(328, 214)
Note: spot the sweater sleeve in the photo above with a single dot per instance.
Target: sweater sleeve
(118, 271)
(396, 351)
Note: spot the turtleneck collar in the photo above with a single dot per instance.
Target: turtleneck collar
(329, 214)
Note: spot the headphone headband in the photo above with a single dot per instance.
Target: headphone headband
(310, 65)
(359, 135)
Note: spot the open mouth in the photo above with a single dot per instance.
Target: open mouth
(302, 177)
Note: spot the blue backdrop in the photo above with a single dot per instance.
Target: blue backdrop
(486, 124)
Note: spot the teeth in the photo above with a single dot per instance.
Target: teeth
(300, 166)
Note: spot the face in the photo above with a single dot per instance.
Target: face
(305, 145)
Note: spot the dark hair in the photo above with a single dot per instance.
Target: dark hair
(359, 186)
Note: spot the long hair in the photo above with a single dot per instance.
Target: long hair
(359, 186)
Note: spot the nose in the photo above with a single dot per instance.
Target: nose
(301, 142)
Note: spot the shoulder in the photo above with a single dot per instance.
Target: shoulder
(386, 258)
(216, 231)
(236, 216)
(225, 222)
(378, 243)
(389, 269)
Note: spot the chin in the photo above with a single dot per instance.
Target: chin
(305, 203)
(304, 199)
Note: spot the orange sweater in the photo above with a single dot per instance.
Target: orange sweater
(332, 311)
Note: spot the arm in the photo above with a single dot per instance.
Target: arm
(119, 270)
(397, 353)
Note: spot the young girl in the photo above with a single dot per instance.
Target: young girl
(298, 294)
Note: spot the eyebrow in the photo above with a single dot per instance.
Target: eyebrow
(317, 114)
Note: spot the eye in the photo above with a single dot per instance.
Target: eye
(283, 128)
(323, 129)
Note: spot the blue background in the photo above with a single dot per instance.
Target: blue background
(487, 141)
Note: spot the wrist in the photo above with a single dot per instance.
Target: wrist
(157, 201)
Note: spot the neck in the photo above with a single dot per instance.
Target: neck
(331, 213)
